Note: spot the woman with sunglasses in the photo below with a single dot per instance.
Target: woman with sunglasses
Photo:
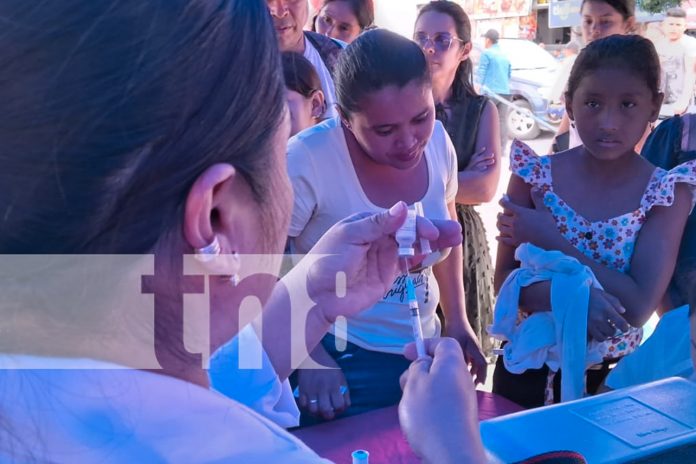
(443, 31)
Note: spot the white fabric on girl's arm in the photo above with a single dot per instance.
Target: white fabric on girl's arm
(558, 337)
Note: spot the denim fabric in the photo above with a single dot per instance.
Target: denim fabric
(372, 377)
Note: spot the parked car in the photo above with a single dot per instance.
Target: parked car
(533, 72)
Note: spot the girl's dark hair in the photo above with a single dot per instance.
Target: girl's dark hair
(375, 60)
(364, 11)
(300, 75)
(463, 85)
(113, 108)
(626, 8)
(632, 52)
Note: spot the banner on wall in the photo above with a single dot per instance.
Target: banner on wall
(490, 9)
(523, 27)
(564, 13)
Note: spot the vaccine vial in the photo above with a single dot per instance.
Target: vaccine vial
(406, 235)
(361, 457)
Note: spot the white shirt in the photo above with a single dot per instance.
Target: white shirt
(327, 83)
(109, 414)
(327, 190)
(241, 370)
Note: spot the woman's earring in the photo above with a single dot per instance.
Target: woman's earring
(208, 252)
(320, 112)
(211, 251)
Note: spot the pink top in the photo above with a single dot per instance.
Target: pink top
(609, 242)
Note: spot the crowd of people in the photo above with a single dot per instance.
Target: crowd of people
(239, 131)
(676, 51)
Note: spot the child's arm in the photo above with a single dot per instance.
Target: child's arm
(518, 193)
(603, 307)
(653, 260)
(535, 297)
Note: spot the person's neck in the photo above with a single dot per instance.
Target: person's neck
(600, 169)
(298, 47)
(442, 88)
(358, 155)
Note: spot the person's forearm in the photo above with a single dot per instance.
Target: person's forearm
(476, 187)
(536, 297)
(564, 125)
(449, 275)
(460, 442)
(481, 70)
(533, 298)
(638, 302)
(478, 77)
(288, 336)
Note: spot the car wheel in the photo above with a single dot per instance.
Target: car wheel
(521, 125)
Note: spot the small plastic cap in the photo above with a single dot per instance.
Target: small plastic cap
(360, 457)
(407, 251)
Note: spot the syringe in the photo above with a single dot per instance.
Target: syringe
(413, 308)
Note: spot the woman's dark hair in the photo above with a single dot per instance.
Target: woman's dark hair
(364, 11)
(632, 52)
(113, 108)
(375, 60)
(626, 8)
(300, 75)
(463, 84)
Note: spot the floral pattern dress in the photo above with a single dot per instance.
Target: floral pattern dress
(609, 242)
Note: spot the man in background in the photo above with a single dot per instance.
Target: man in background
(677, 63)
(493, 77)
(289, 19)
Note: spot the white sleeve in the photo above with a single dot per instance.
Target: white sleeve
(302, 177)
(242, 371)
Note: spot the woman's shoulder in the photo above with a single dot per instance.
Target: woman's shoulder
(131, 400)
(326, 132)
(316, 145)
(439, 134)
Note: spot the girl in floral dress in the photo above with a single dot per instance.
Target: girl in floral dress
(601, 204)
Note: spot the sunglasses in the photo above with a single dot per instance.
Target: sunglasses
(441, 42)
